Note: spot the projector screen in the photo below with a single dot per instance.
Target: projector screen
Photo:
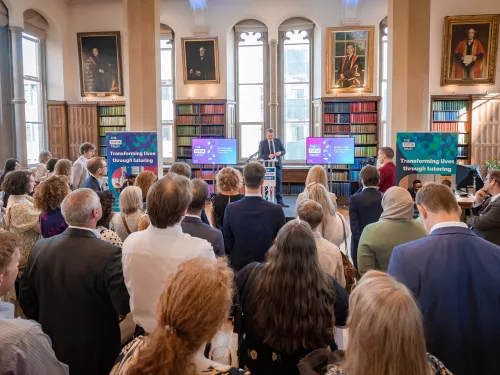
(330, 151)
(214, 151)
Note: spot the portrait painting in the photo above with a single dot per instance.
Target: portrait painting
(349, 59)
(469, 50)
(100, 63)
(200, 58)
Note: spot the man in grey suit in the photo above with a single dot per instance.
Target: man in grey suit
(485, 221)
(192, 223)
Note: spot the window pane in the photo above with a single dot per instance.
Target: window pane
(249, 139)
(253, 98)
(384, 101)
(251, 64)
(167, 141)
(167, 106)
(30, 58)
(384, 60)
(166, 66)
(297, 102)
(296, 63)
(33, 141)
(295, 140)
(32, 110)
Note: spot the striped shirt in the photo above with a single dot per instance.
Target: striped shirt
(24, 348)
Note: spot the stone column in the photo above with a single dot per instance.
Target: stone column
(18, 98)
(273, 83)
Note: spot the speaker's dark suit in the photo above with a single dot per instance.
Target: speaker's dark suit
(73, 286)
(265, 151)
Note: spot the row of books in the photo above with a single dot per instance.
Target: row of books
(449, 116)
(463, 138)
(293, 189)
(206, 175)
(212, 130)
(359, 163)
(450, 105)
(350, 129)
(117, 110)
(339, 166)
(463, 151)
(363, 128)
(337, 107)
(337, 128)
(365, 151)
(188, 130)
(103, 130)
(184, 151)
(361, 139)
(457, 127)
(102, 151)
(184, 141)
(339, 118)
(112, 121)
(194, 109)
(205, 120)
(339, 176)
(364, 118)
(364, 107)
(341, 189)
(354, 175)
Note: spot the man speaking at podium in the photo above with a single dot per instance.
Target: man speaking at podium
(272, 149)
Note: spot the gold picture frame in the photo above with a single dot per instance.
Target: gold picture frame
(349, 59)
(459, 63)
(200, 67)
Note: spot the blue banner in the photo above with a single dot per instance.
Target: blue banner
(426, 153)
(129, 153)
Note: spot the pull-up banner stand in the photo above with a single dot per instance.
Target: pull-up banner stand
(426, 153)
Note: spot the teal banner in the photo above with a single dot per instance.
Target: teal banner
(426, 153)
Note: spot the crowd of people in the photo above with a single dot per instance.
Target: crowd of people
(425, 301)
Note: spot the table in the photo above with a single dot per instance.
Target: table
(465, 203)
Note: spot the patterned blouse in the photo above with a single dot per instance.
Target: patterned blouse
(110, 236)
(52, 223)
(435, 364)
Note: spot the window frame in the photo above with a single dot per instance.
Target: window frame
(265, 84)
(383, 64)
(162, 85)
(281, 126)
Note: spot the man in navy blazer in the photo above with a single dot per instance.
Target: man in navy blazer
(192, 223)
(252, 223)
(98, 170)
(365, 207)
(455, 277)
(272, 149)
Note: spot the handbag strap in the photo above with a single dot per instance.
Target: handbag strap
(125, 224)
(343, 227)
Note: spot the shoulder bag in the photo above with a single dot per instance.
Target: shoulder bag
(125, 224)
(350, 273)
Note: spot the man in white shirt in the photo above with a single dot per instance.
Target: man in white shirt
(151, 256)
(328, 253)
(79, 172)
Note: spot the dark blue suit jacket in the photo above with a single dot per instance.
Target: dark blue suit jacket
(250, 227)
(91, 183)
(264, 150)
(365, 208)
(455, 276)
(197, 228)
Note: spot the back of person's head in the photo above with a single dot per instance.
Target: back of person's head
(94, 164)
(10, 165)
(50, 194)
(130, 199)
(44, 157)
(446, 183)
(388, 152)
(318, 193)
(9, 242)
(416, 182)
(80, 207)
(51, 164)
(397, 204)
(200, 195)
(182, 169)
(386, 335)
(17, 182)
(193, 306)
(168, 200)
(144, 181)
(317, 174)
(228, 180)
(63, 168)
(303, 317)
(437, 198)
(254, 174)
(86, 147)
(311, 212)
(107, 200)
(369, 176)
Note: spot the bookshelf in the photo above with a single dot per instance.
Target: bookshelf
(202, 119)
(112, 118)
(453, 114)
(356, 117)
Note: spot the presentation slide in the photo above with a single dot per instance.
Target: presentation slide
(214, 151)
(330, 151)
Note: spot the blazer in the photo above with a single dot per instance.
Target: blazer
(364, 208)
(197, 228)
(79, 173)
(250, 227)
(264, 150)
(73, 286)
(486, 220)
(454, 276)
(92, 183)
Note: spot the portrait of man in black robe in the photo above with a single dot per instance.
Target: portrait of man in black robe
(200, 60)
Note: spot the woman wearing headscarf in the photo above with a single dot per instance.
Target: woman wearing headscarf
(395, 227)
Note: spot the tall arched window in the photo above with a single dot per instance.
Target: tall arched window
(384, 38)
(167, 62)
(251, 84)
(295, 60)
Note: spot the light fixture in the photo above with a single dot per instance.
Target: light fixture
(199, 4)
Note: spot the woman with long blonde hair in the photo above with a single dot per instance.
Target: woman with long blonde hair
(317, 174)
(386, 334)
(192, 308)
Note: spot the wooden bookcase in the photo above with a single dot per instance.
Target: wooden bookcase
(111, 119)
(356, 117)
(202, 119)
(57, 120)
(454, 114)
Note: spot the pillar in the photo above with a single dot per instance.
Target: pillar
(408, 78)
(18, 100)
(273, 83)
(142, 59)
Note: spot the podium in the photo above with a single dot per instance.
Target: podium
(269, 185)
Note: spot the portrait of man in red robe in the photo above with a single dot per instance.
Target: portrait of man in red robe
(469, 58)
(349, 73)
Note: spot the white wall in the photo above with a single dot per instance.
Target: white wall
(440, 9)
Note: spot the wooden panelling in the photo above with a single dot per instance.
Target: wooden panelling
(58, 129)
(295, 175)
(82, 126)
(485, 129)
